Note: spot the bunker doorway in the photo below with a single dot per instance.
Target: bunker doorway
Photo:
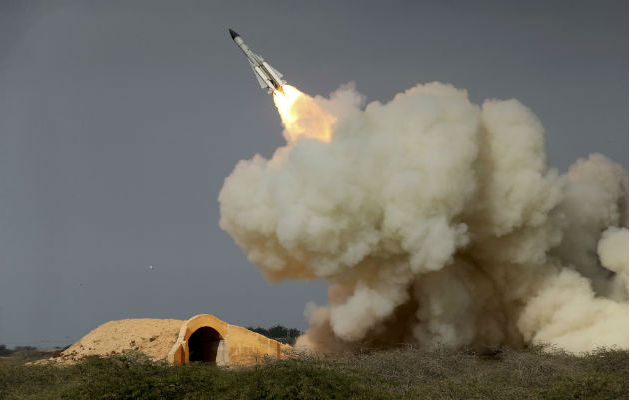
(203, 345)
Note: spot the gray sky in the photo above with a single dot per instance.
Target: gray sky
(119, 121)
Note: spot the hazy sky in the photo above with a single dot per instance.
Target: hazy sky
(119, 121)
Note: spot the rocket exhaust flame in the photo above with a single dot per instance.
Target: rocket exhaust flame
(302, 116)
(284, 102)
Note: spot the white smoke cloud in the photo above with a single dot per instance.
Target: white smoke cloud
(613, 253)
(436, 221)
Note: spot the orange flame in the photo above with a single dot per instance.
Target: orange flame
(302, 116)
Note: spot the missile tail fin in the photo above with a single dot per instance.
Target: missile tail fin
(261, 82)
(275, 71)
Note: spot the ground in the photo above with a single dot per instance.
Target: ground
(405, 373)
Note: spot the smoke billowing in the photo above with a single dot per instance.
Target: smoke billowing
(435, 221)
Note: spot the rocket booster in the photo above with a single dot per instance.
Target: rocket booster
(267, 76)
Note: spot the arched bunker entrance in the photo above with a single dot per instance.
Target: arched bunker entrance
(203, 345)
(206, 338)
(202, 338)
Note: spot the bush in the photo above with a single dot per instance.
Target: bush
(5, 351)
(278, 333)
(405, 373)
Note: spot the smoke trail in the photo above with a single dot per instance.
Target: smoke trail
(435, 221)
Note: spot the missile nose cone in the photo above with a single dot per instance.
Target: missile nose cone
(233, 34)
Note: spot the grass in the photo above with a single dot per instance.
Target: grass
(394, 374)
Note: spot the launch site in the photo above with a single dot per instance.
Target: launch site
(314, 200)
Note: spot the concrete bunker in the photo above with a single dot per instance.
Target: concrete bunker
(202, 338)
(206, 338)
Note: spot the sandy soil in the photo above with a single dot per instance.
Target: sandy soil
(153, 337)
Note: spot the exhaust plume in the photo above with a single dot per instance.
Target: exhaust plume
(435, 221)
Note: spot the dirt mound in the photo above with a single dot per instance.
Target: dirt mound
(153, 337)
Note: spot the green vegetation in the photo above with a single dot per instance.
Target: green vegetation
(279, 333)
(399, 373)
(26, 353)
(5, 351)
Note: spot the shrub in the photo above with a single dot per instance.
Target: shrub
(393, 374)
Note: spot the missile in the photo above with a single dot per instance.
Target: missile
(267, 76)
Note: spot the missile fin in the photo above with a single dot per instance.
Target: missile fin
(261, 82)
(275, 71)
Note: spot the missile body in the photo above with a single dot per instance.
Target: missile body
(267, 76)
